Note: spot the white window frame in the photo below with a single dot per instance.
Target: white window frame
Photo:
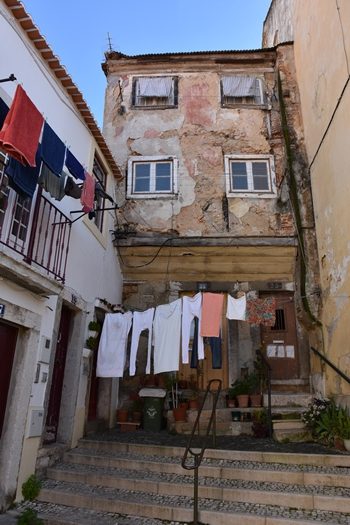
(247, 102)
(133, 161)
(270, 193)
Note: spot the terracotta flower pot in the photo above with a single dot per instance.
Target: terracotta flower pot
(193, 404)
(122, 415)
(243, 400)
(231, 403)
(136, 416)
(179, 413)
(255, 400)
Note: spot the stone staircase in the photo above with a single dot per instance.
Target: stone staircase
(282, 403)
(112, 483)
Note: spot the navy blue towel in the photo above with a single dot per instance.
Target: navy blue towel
(4, 109)
(216, 353)
(74, 166)
(52, 150)
(23, 179)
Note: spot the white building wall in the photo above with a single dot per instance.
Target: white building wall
(92, 272)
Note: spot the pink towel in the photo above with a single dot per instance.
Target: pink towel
(211, 314)
(19, 135)
(88, 193)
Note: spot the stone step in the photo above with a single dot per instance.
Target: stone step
(327, 460)
(305, 497)
(179, 508)
(277, 472)
(289, 399)
(55, 514)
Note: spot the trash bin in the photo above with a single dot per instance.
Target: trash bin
(153, 402)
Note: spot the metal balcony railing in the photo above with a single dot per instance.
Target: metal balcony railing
(35, 229)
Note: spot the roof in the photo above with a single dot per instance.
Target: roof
(116, 54)
(25, 21)
(222, 56)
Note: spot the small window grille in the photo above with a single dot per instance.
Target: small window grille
(280, 323)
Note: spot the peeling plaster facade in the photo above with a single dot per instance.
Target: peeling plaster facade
(199, 132)
(321, 51)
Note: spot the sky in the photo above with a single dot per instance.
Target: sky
(77, 30)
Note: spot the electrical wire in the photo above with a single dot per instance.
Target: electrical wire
(147, 263)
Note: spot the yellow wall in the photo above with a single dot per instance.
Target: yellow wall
(322, 54)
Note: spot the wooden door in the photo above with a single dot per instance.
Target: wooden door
(8, 339)
(280, 341)
(58, 372)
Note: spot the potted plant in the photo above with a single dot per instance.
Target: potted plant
(193, 401)
(136, 410)
(240, 390)
(254, 381)
(260, 425)
(94, 328)
(344, 427)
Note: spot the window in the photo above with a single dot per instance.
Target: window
(149, 176)
(248, 176)
(241, 90)
(154, 92)
(101, 181)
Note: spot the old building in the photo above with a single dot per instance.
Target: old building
(215, 195)
(58, 270)
(321, 52)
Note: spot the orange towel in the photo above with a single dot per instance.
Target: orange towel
(211, 314)
(20, 133)
(88, 193)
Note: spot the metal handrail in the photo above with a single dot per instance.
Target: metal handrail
(329, 363)
(269, 370)
(196, 454)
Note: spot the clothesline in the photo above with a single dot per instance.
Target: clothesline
(33, 161)
(169, 331)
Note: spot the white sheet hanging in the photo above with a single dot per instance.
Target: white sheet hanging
(112, 348)
(236, 308)
(191, 308)
(142, 321)
(166, 337)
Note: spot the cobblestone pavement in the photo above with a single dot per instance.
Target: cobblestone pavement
(244, 443)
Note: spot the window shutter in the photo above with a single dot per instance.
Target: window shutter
(176, 90)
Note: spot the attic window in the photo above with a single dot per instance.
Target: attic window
(154, 92)
(241, 90)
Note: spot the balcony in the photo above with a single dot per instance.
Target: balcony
(34, 229)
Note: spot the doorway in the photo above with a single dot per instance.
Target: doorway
(280, 341)
(53, 411)
(8, 338)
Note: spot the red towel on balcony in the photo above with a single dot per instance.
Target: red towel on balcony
(19, 135)
(88, 193)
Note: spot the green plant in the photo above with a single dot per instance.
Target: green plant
(29, 517)
(244, 386)
(343, 423)
(91, 343)
(312, 415)
(329, 424)
(31, 488)
(260, 426)
(94, 326)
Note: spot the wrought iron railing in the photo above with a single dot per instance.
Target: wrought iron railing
(38, 231)
(268, 370)
(193, 456)
(330, 364)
